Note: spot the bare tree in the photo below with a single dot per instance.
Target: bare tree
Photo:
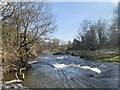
(23, 24)
(87, 35)
(114, 30)
(101, 33)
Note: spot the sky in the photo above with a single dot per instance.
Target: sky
(69, 15)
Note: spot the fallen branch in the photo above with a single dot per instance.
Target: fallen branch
(13, 81)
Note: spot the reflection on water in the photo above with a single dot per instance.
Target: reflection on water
(46, 57)
(62, 57)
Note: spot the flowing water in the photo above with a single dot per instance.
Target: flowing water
(65, 71)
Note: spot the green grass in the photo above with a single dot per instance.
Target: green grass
(103, 55)
(113, 59)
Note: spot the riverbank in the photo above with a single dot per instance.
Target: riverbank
(104, 55)
(14, 82)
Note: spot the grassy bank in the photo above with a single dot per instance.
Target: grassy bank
(105, 55)
(113, 59)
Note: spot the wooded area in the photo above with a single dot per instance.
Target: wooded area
(24, 26)
(98, 34)
(97, 39)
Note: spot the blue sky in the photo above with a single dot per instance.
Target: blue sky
(69, 15)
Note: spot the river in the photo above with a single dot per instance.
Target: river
(66, 71)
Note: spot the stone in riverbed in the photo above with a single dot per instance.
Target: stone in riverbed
(90, 75)
(74, 54)
(60, 53)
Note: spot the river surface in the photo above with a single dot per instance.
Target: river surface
(65, 71)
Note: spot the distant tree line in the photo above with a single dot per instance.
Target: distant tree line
(51, 45)
(97, 35)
